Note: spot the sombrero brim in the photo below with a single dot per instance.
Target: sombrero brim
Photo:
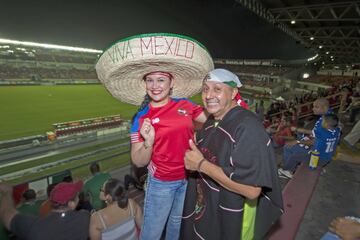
(122, 66)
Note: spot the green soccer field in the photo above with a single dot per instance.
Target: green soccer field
(31, 110)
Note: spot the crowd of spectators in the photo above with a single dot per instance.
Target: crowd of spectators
(329, 79)
(259, 83)
(282, 122)
(46, 55)
(8, 72)
(259, 70)
(98, 209)
(301, 103)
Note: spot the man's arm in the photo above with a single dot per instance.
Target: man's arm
(219, 176)
(309, 142)
(347, 229)
(194, 160)
(301, 130)
(7, 208)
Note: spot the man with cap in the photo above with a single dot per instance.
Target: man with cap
(233, 190)
(62, 223)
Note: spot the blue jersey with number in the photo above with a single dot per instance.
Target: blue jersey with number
(319, 122)
(326, 141)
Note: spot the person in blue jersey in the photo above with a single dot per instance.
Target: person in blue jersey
(326, 139)
(299, 150)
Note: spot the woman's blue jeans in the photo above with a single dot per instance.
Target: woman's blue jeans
(163, 205)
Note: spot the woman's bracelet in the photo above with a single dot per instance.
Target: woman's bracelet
(199, 164)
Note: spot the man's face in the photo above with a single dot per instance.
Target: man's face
(318, 108)
(218, 98)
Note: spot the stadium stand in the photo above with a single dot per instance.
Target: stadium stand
(38, 64)
(275, 70)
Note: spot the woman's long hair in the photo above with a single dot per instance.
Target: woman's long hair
(144, 103)
(115, 189)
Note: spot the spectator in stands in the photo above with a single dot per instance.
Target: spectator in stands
(260, 110)
(122, 217)
(45, 208)
(30, 204)
(353, 137)
(84, 203)
(273, 109)
(236, 169)
(92, 186)
(326, 139)
(299, 148)
(62, 223)
(354, 107)
(67, 178)
(137, 177)
(283, 132)
(321, 107)
(293, 114)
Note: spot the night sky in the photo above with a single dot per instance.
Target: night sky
(226, 28)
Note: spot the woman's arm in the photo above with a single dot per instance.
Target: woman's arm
(141, 151)
(301, 130)
(94, 231)
(138, 214)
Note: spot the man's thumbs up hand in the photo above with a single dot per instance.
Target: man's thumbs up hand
(193, 157)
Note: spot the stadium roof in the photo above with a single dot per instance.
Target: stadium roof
(331, 28)
(49, 46)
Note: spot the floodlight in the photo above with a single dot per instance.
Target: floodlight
(50, 46)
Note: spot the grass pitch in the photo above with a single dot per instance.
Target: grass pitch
(31, 110)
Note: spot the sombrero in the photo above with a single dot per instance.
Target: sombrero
(122, 66)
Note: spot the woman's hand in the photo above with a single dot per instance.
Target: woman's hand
(147, 131)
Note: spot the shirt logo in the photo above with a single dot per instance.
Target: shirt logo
(155, 120)
(182, 111)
